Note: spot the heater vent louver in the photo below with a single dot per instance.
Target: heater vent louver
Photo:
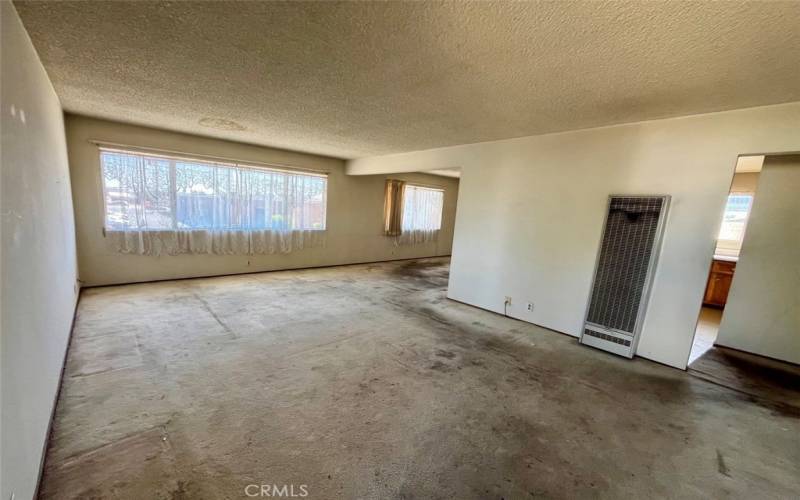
(610, 338)
(631, 239)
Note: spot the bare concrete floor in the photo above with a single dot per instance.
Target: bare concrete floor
(366, 382)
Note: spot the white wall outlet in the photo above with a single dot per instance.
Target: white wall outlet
(530, 306)
(508, 300)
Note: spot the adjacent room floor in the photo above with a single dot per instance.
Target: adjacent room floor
(366, 382)
(706, 333)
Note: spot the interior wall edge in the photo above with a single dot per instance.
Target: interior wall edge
(762, 313)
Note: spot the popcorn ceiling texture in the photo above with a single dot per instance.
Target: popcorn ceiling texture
(361, 79)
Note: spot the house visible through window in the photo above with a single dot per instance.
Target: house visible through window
(422, 208)
(734, 222)
(152, 192)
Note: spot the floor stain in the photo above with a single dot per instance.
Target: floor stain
(721, 467)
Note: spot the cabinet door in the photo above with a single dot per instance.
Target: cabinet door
(720, 285)
(709, 295)
(712, 296)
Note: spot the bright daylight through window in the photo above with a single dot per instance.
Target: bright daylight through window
(422, 208)
(737, 210)
(151, 192)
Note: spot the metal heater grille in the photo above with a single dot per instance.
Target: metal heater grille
(605, 336)
(633, 226)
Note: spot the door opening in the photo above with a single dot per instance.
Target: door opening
(726, 253)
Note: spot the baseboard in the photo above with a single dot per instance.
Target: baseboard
(244, 273)
(757, 355)
(576, 337)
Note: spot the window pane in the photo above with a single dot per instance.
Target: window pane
(137, 192)
(199, 188)
(735, 218)
(140, 191)
(422, 208)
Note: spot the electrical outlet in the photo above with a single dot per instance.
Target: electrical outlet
(508, 300)
(530, 306)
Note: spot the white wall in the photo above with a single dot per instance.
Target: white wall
(531, 209)
(354, 216)
(763, 310)
(38, 256)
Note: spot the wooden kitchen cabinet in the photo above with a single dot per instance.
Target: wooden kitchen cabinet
(719, 283)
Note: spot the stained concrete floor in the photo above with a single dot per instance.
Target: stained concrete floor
(366, 382)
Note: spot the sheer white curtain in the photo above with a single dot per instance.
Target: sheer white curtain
(422, 214)
(161, 205)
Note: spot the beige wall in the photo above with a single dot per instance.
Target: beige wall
(763, 310)
(744, 182)
(38, 257)
(531, 211)
(354, 217)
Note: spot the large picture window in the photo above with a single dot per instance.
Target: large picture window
(146, 192)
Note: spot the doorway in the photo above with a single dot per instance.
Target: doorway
(726, 253)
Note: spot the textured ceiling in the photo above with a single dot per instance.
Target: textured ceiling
(367, 78)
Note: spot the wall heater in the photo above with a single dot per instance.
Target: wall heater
(623, 272)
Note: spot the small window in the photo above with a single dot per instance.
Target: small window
(151, 192)
(422, 208)
(734, 222)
